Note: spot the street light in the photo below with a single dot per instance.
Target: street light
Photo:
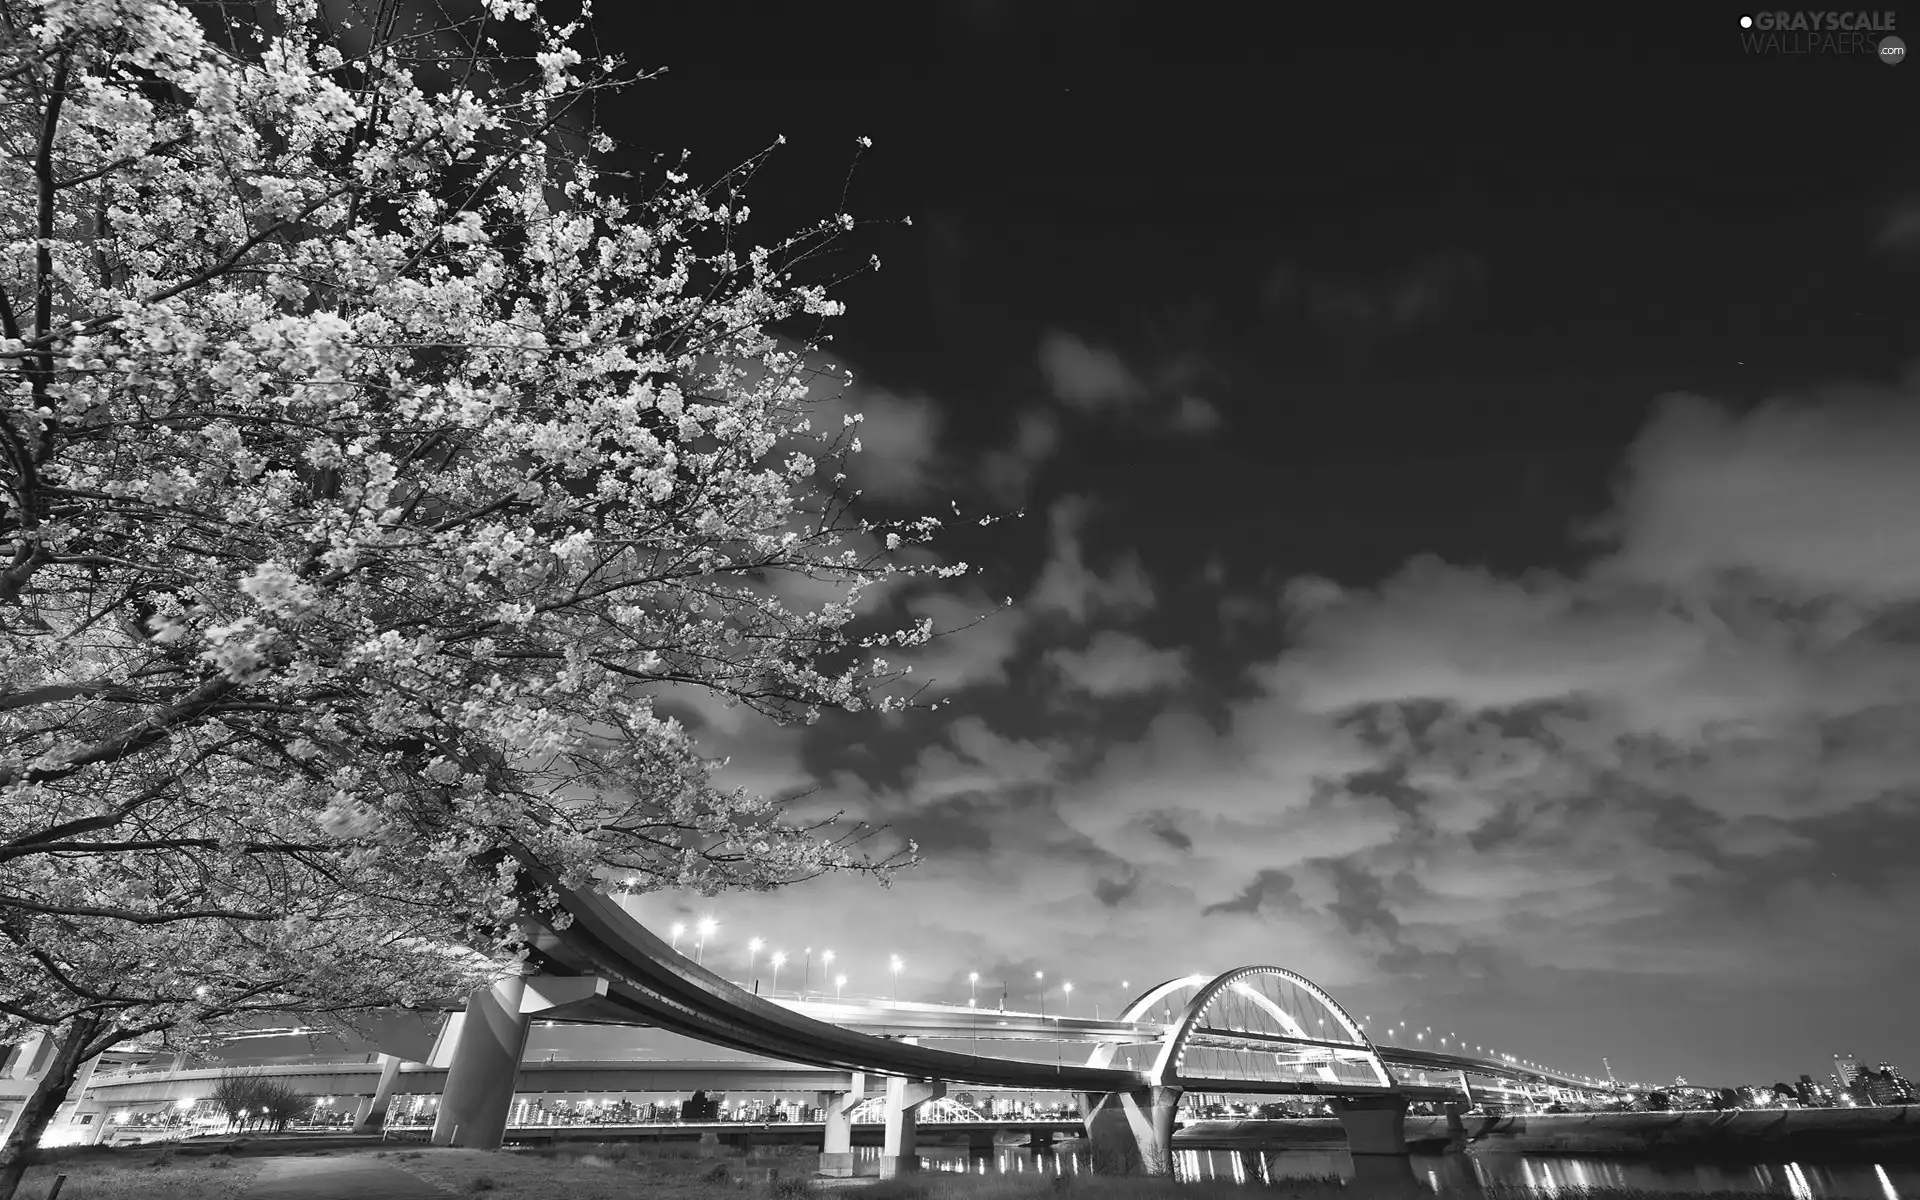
(1067, 1001)
(826, 964)
(679, 928)
(839, 981)
(778, 960)
(1040, 977)
(705, 929)
(753, 951)
(806, 975)
(896, 964)
(973, 989)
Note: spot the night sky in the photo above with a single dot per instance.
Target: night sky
(1470, 475)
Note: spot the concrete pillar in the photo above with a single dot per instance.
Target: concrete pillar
(836, 1149)
(1467, 1088)
(370, 1116)
(1131, 1131)
(1456, 1128)
(1374, 1124)
(486, 1058)
(903, 1097)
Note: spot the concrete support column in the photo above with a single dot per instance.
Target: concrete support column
(1456, 1128)
(903, 1097)
(1132, 1131)
(836, 1149)
(1467, 1087)
(1374, 1124)
(486, 1057)
(371, 1114)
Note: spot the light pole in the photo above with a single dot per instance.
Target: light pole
(826, 964)
(753, 951)
(806, 975)
(778, 960)
(1067, 999)
(896, 964)
(705, 929)
(973, 989)
(679, 928)
(1040, 979)
(839, 981)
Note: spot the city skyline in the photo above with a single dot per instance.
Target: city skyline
(1465, 556)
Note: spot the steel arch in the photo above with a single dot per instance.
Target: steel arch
(1166, 1068)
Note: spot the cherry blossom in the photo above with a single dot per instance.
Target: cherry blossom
(371, 468)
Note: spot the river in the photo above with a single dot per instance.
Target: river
(1468, 1173)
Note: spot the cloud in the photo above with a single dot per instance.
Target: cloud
(1194, 415)
(899, 440)
(1541, 803)
(1087, 378)
(1118, 664)
(1426, 292)
(1008, 472)
(976, 640)
(1069, 587)
(1817, 500)
(1898, 229)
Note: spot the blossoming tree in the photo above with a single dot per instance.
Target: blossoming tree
(370, 466)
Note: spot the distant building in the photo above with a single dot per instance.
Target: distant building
(1885, 1085)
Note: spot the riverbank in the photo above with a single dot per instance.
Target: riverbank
(665, 1173)
(1892, 1133)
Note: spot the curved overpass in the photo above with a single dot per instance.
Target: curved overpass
(647, 981)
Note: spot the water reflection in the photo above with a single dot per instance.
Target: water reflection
(1460, 1175)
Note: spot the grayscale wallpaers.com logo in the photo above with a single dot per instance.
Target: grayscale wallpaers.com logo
(1864, 33)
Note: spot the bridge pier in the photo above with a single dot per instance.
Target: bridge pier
(1374, 1124)
(898, 1154)
(1131, 1131)
(836, 1149)
(980, 1143)
(1456, 1128)
(370, 1115)
(1040, 1140)
(486, 1056)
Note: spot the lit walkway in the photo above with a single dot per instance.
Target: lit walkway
(361, 1176)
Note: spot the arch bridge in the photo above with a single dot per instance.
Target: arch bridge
(1260, 1029)
(1252, 1029)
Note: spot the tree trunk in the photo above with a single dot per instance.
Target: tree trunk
(48, 1095)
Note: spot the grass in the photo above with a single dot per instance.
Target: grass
(99, 1173)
